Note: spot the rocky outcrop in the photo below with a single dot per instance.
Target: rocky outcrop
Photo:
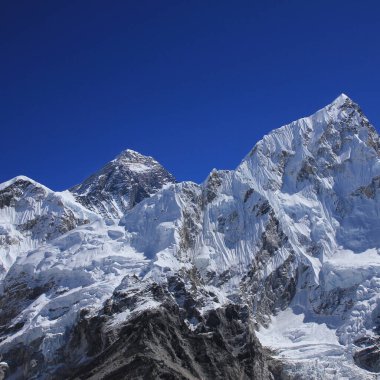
(368, 357)
(159, 344)
(268, 294)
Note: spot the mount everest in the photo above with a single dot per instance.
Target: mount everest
(268, 271)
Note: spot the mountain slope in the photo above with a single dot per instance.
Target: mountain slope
(286, 244)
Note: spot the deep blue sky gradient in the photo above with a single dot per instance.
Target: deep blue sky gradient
(193, 83)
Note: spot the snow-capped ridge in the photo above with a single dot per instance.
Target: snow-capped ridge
(22, 178)
(32, 214)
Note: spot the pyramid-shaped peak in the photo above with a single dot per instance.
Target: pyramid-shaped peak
(129, 156)
(341, 114)
(341, 99)
(338, 109)
(121, 183)
(130, 153)
(21, 179)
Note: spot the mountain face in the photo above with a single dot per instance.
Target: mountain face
(268, 271)
(31, 214)
(121, 184)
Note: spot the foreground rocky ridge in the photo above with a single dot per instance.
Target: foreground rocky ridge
(157, 343)
(173, 279)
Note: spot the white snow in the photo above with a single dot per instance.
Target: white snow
(310, 348)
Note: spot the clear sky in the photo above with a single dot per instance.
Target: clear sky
(193, 83)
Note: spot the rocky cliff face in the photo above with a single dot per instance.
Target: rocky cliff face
(158, 343)
(187, 281)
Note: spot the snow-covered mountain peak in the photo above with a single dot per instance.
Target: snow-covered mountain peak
(122, 183)
(132, 155)
(21, 179)
(31, 214)
(135, 161)
(341, 99)
(319, 162)
(342, 112)
(341, 103)
(336, 123)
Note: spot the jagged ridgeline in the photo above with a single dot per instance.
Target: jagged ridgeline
(268, 271)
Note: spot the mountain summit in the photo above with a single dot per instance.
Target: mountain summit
(269, 271)
(121, 184)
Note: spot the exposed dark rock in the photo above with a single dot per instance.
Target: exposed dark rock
(370, 190)
(153, 344)
(248, 193)
(191, 218)
(121, 184)
(11, 194)
(16, 298)
(262, 208)
(210, 189)
(268, 295)
(26, 361)
(369, 358)
(307, 170)
(157, 344)
(334, 302)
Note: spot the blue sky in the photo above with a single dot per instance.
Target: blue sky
(193, 83)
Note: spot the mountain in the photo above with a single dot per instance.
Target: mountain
(268, 271)
(121, 184)
(31, 214)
